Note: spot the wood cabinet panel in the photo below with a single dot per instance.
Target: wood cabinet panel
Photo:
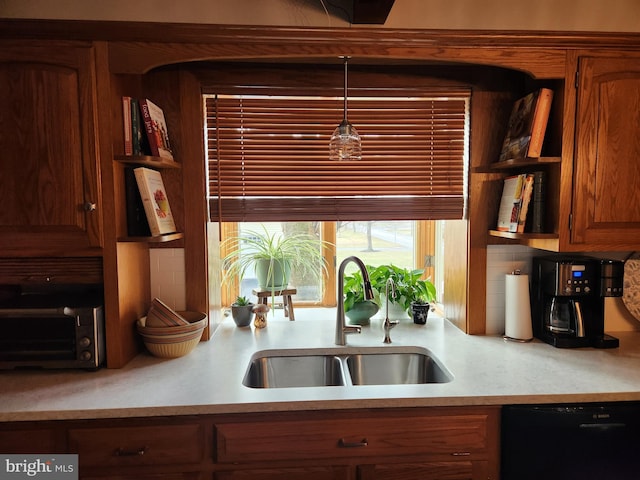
(152, 476)
(606, 198)
(442, 435)
(138, 445)
(418, 471)
(290, 473)
(34, 441)
(49, 184)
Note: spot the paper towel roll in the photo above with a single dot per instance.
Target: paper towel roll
(517, 322)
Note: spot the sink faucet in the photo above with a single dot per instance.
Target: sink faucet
(388, 324)
(341, 329)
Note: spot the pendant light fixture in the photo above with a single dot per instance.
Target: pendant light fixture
(345, 142)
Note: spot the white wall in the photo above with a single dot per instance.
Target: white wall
(562, 15)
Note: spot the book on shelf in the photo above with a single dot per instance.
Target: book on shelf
(527, 126)
(511, 203)
(156, 129)
(126, 117)
(525, 201)
(536, 221)
(138, 134)
(155, 201)
(137, 223)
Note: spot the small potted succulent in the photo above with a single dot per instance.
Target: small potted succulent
(242, 311)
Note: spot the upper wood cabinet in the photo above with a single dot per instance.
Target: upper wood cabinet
(49, 183)
(606, 193)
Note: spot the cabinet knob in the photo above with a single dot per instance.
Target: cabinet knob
(89, 206)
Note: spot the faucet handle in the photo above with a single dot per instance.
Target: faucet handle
(352, 329)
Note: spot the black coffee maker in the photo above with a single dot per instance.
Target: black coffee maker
(567, 299)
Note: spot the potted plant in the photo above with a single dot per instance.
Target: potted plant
(273, 256)
(358, 310)
(409, 286)
(242, 311)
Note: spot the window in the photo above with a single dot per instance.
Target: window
(268, 158)
(374, 242)
(268, 162)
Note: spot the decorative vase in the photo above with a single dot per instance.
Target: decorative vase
(273, 274)
(242, 314)
(360, 313)
(419, 312)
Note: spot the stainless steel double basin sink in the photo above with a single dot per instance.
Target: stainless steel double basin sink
(344, 367)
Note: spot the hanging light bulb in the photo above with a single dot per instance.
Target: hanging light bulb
(345, 142)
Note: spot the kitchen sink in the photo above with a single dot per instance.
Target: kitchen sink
(340, 367)
(395, 368)
(294, 371)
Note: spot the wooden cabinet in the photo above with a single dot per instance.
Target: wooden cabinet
(452, 443)
(409, 443)
(606, 195)
(163, 449)
(49, 180)
(29, 438)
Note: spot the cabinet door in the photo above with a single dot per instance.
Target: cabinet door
(290, 473)
(426, 471)
(121, 447)
(606, 198)
(49, 167)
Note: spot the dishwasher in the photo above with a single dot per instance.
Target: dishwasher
(564, 442)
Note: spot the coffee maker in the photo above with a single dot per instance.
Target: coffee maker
(567, 299)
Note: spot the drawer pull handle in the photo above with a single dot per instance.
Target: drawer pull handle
(344, 444)
(124, 452)
(461, 454)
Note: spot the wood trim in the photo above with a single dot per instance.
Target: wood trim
(92, 30)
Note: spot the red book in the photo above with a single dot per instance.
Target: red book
(156, 129)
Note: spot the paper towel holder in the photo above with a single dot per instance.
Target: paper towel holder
(511, 338)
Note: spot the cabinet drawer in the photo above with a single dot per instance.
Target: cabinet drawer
(463, 435)
(142, 445)
(29, 441)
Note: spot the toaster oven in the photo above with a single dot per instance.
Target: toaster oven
(52, 331)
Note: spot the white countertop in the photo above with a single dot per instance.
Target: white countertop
(487, 371)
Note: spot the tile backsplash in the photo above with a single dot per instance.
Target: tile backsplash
(167, 276)
(501, 260)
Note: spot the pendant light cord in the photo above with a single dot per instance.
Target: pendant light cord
(346, 59)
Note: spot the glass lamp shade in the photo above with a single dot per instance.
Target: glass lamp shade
(345, 143)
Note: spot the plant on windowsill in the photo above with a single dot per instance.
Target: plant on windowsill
(273, 257)
(242, 311)
(410, 287)
(358, 310)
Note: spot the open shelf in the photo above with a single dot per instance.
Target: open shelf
(147, 160)
(543, 241)
(515, 164)
(169, 237)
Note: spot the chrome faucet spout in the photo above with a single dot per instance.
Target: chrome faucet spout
(341, 328)
(388, 324)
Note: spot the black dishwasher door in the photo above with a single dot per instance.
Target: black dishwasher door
(566, 442)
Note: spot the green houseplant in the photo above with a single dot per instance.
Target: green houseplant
(409, 286)
(273, 256)
(356, 308)
(242, 311)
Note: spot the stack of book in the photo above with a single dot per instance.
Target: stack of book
(520, 194)
(145, 129)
